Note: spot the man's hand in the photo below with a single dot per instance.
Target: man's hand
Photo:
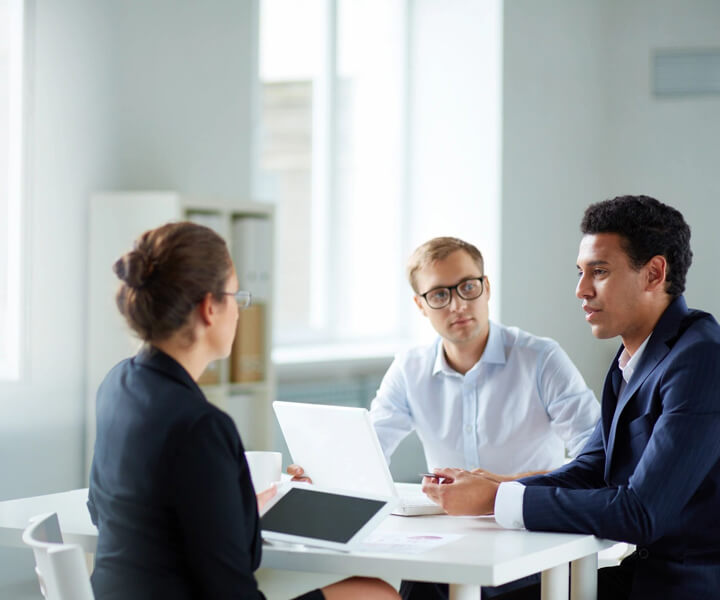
(264, 496)
(461, 492)
(298, 474)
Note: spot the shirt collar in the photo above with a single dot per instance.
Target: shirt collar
(627, 363)
(494, 353)
(495, 349)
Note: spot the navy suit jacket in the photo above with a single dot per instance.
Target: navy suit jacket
(170, 490)
(650, 473)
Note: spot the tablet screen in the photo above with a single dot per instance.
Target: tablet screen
(320, 515)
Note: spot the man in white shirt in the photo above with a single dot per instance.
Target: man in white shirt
(650, 473)
(482, 396)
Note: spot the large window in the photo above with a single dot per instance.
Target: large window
(380, 128)
(332, 154)
(11, 118)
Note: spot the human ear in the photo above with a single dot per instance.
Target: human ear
(206, 309)
(486, 286)
(420, 304)
(656, 273)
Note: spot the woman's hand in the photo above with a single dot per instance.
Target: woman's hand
(263, 497)
(298, 474)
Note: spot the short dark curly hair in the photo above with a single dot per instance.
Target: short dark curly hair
(648, 228)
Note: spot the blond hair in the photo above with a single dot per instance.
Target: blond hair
(436, 249)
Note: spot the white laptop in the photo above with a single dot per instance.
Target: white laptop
(338, 448)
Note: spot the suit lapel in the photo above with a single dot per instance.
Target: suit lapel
(656, 349)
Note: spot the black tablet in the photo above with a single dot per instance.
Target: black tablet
(319, 516)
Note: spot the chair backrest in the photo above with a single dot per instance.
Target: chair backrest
(61, 568)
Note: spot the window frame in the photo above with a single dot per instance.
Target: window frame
(478, 190)
(325, 316)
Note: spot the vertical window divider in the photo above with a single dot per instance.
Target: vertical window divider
(406, 214)
(324, 178)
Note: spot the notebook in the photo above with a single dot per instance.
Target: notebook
(338, 447)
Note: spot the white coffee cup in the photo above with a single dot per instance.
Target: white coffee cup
(265, 468)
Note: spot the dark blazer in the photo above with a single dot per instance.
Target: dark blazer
(650, 473)
(170, 490)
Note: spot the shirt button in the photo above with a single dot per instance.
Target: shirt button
(643, 553)
(468, 428)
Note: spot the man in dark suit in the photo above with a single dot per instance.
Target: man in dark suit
(650, 473)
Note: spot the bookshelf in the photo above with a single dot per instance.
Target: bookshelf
(242, 385)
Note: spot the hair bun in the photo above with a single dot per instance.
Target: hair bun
(135, 268)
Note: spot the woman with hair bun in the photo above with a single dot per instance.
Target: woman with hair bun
(170, 489)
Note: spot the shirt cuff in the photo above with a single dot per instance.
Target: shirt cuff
(509, 505)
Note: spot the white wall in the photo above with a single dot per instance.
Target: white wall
(555, 162)
(580, 125)
(124, 95)
(669, 147)
(182, 95)
(41, 419)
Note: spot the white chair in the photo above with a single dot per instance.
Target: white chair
(61, 568)
(613, 556)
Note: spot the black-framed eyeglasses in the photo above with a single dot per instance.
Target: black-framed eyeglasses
(242, 298)
(467, 289)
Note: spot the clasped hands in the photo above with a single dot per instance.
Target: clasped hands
(462, 492)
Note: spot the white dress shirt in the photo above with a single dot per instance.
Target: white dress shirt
(517, 409)
(509, 498)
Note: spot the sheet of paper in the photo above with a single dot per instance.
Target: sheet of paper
(405, 542)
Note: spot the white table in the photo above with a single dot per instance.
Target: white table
(486, 554)
(72, 513)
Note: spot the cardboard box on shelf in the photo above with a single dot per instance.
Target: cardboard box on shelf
(248, 352)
